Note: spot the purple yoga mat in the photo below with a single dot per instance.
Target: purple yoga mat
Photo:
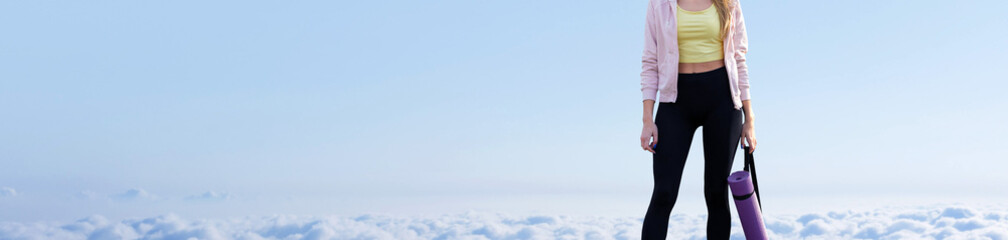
(747, 205)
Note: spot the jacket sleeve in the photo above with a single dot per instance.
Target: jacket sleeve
(649, 61)
(741, 47)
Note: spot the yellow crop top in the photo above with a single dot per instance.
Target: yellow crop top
(699, 35)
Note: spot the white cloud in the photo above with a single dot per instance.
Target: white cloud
(935, 222)
(87, 194)
(133, 194)
(8, 192)
(210, 196)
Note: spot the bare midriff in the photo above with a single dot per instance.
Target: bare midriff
(700, 66)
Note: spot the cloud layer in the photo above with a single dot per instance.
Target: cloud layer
(935, 222)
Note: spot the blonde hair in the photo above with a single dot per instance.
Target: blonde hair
(724, 8)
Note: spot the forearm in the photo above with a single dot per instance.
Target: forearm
(747, 110)
(648, 110)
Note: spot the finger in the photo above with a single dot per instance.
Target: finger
(654, 136)
(752, 147)
(654, 141)
(749, 142)
(644, 145)
(644, 142)
(754, 144)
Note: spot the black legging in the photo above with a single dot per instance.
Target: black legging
(704, 100)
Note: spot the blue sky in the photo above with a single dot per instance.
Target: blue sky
(440, 106)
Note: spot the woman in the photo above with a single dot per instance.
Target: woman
(694, 56)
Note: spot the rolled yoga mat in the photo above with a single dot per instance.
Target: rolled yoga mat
(747, 200)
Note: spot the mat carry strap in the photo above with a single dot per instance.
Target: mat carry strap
(750, 166)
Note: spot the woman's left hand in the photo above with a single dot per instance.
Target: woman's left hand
(749, 135)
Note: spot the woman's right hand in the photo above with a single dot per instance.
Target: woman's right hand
(650, 131)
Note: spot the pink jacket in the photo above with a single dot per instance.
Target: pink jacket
(660, 63)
